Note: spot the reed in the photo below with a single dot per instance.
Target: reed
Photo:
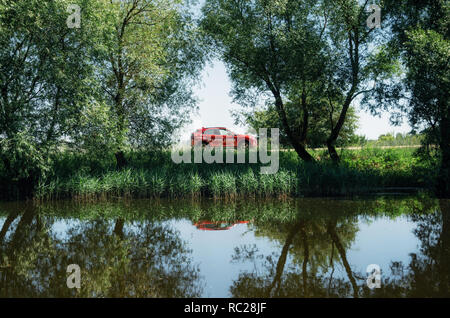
(360, 172)
(222, 184)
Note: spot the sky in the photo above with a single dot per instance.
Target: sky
(215, 105)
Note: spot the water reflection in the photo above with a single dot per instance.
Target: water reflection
(316, 246)
(428, 272)
(292, 248)
(146, 259)
(217, 225)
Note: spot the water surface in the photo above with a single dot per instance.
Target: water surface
(270, 248)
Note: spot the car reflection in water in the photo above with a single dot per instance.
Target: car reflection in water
(217, 226)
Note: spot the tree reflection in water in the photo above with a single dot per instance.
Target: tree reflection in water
(428, 273)
(132, 250)
(143, 260)
(318, 245)
(314, 246)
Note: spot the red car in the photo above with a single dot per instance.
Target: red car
(217, 226)
(220, 136)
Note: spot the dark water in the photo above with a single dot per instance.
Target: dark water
(274, 248)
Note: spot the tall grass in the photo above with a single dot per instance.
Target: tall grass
(222, 184)
(360, 172)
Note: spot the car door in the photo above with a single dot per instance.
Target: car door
(228, 138)
(212, 137)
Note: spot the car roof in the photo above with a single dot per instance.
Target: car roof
(214, 128)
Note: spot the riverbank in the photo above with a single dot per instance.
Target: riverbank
(154, 175)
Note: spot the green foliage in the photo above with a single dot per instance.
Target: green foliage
(23, 158)
(148, 57)
(96, 131)
(318, 129)
(420, 42)
(306, 60)
(428, 75)
(362, 171)
(122, 80)
(45, 74)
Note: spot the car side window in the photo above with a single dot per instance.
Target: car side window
(226, 132)
(211, 132)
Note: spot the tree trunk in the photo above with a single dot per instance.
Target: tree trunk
(120, 112)
(353, 49)
(282, 259)
(332, 151)
(331, 141)
(121, 161)
(305, 123)
(298, 146)
(331, 228)
(443, 187)
(444, 261)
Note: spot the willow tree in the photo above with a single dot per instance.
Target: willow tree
(149, 55)
(268, 47)
(313, 53)
(45, 74)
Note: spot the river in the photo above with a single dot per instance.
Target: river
(308, 247)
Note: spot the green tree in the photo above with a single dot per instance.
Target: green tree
(149, 54)
(44, 78)
(314, 54)
(123, 79)
(420, 41)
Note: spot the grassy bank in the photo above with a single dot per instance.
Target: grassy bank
(155, 175)
(270, 210)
